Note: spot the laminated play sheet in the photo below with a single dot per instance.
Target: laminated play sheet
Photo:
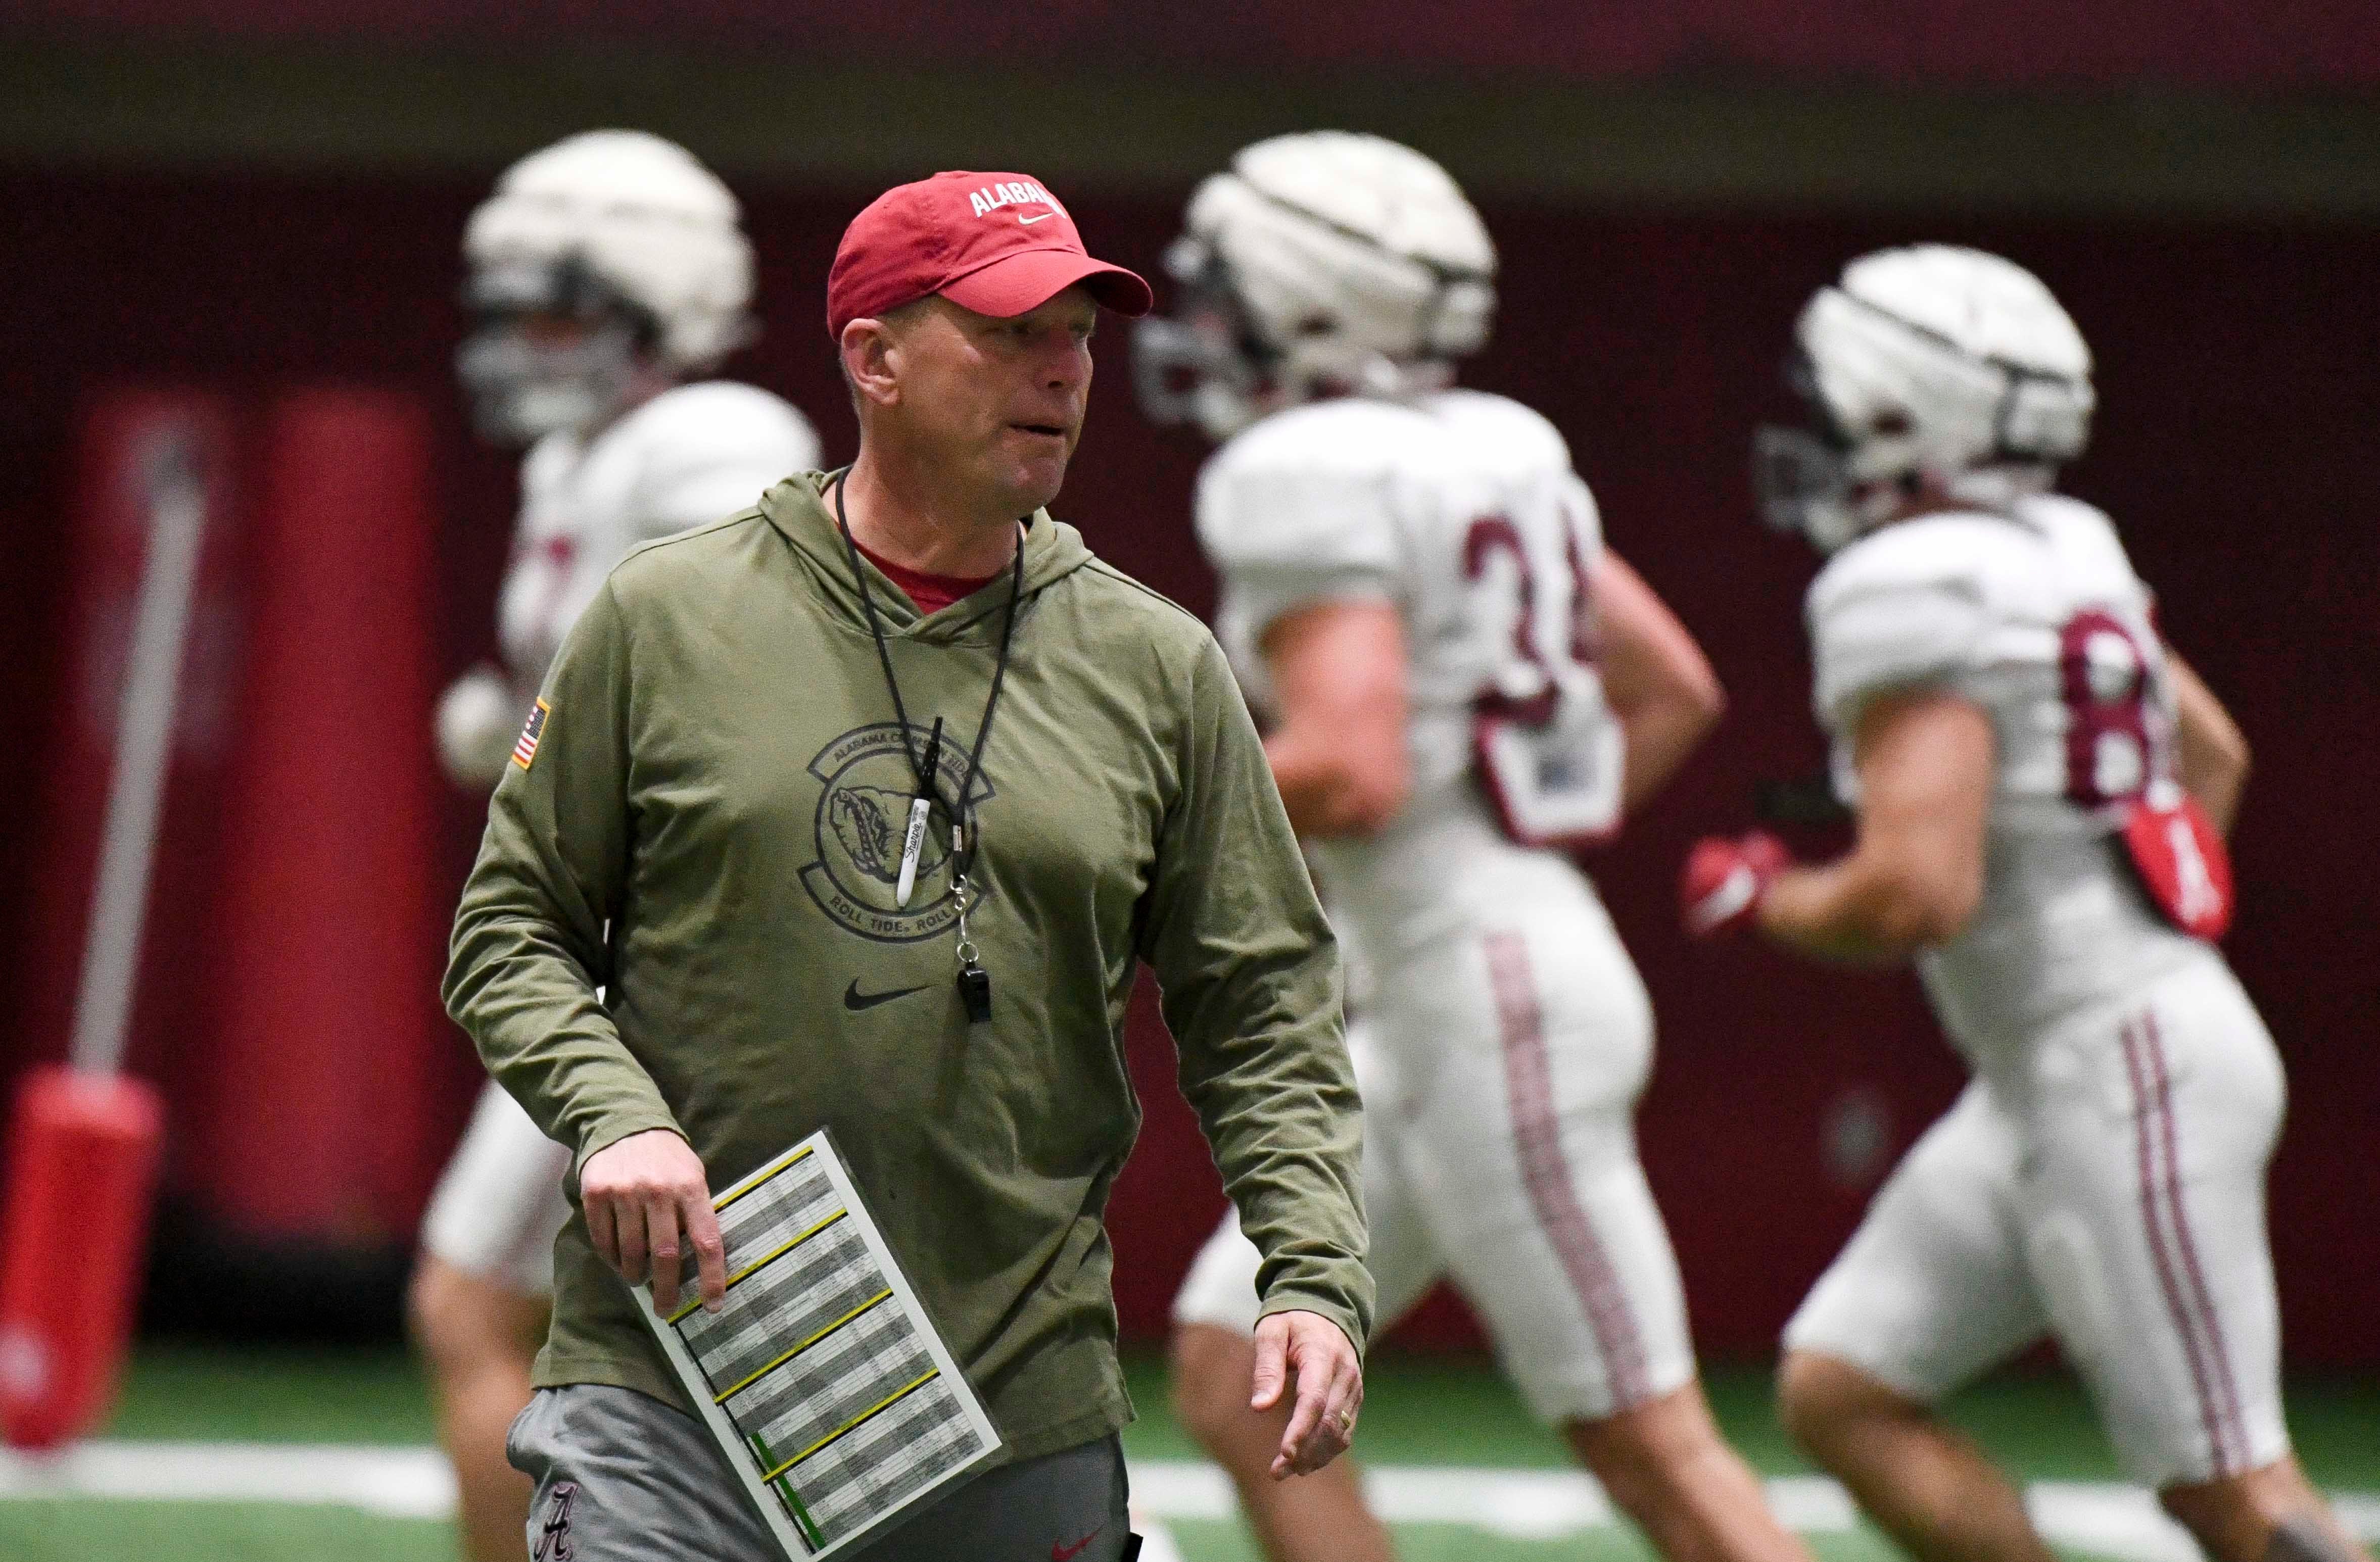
(821, 1378)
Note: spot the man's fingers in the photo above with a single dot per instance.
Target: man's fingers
(710, 1252)
(1305, 1419)
(1339, 1415)
(1272, 1370)
(629, 1214)
(1346, 1400)
(660, 1231)
(1330, 1394)
(602, 1231)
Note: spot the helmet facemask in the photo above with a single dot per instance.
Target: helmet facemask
(1208, 364)
(556, 348)
(1803, 476)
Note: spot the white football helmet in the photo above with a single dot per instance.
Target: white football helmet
(1320, 263)
(1927, 362)
(622, 231)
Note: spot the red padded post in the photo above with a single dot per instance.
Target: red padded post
(314, 1120)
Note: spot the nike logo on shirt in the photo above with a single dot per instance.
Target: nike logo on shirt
(1029, 221)
(856, 1001)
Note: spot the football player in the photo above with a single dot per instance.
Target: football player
(605, 274)
(1466, 687)
(2042, 789)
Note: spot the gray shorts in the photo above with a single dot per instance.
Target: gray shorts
(624, 1478)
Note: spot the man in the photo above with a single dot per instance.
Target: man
(1467, 687)
(605, 272)
(718, 768)
(2040, 786)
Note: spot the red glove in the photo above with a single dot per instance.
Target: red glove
(1724, 879)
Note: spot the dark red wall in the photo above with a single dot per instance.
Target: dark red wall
(2029, 42)
(2240, 377)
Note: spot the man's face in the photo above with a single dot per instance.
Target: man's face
(999, 402)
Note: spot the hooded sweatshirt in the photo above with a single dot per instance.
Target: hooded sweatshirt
(704, 822)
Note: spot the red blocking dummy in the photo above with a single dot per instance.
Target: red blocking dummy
(82, 1158)
(83, 1149)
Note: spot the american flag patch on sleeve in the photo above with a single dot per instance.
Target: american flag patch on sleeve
(525, 751)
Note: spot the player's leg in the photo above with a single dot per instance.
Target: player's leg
(1920, 1479)
(478, 1305)
(1665, 1465)
(2272, 1514)
(1317, 1518)
(477, 1336)
(2146, 1212)
(1321, 1516)
(1930, 1291)
(1524, 1158)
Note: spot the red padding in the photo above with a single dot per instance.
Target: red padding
(314, 1120)
(82, 1165)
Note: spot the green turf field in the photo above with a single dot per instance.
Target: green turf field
(364, 1415)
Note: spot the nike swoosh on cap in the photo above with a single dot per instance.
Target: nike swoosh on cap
(1022, 221)
(856, 1001)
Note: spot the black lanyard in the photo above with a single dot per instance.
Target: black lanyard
(974, 982)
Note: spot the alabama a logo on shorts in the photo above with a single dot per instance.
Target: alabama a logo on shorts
(862, 812)
(553, 1541)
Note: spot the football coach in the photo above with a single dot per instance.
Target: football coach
(701, 926)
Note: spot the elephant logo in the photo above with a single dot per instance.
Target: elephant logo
(869, 822)
(863, 815)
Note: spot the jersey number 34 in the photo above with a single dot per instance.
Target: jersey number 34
(1547, 750)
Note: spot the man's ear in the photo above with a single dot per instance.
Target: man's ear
(871, 360)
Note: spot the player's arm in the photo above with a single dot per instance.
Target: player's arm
(478, 715)
(2213, 752)
(1925, 760)
(1338, 752)
(1657, 682)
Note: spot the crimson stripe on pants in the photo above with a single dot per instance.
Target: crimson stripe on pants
(1536, 1136)
(2218, 1358)
(2149, 1145)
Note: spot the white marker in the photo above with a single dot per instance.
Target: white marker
(910, 848)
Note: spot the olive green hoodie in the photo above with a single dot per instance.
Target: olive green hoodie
(718, 777)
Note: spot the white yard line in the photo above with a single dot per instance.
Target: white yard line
(399, 1483)
(1533, 1505)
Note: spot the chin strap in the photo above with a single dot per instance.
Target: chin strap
(1999, 486)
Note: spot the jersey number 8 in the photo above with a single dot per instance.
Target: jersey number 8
(2119, 752)
(2112, 752)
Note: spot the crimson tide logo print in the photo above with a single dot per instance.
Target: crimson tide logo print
(862, 812)
(553, 1541)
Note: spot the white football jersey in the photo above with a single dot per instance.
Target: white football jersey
(1460, 509)
(2036, 617)
(693, 454)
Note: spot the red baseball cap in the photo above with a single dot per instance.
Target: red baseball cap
(998, 244)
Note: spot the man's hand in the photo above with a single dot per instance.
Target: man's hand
(1308, 1348)
(1720, 889)
(644, 1195)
